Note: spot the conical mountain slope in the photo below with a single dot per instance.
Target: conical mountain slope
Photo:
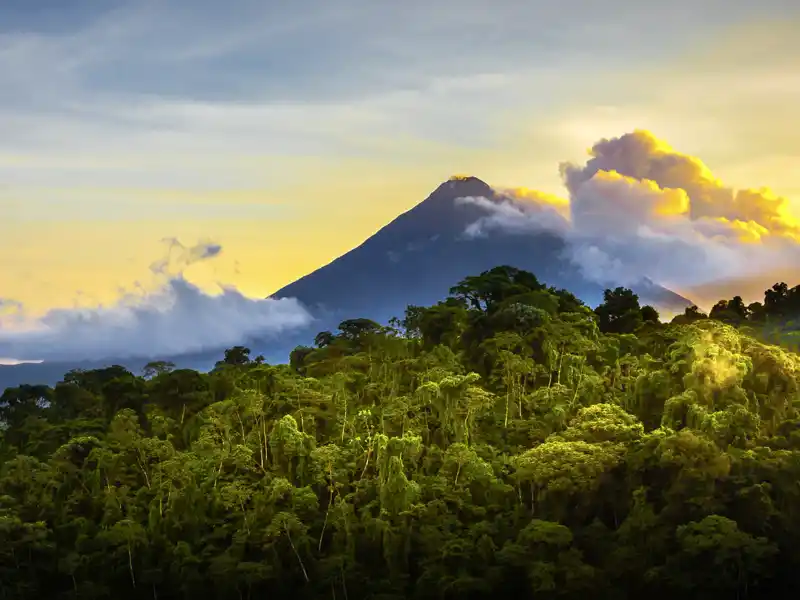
(417, 257)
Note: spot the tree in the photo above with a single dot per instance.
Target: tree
(731, 311)
(487, 290)
(324, 338)
(354, 329)
(157, 367)
(650, 314)
(716, 557)
(620, 311)
(238, 355)
(690, 315)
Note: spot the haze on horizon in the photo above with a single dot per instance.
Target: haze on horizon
(287, 134)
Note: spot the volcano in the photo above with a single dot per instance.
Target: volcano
(421, 254)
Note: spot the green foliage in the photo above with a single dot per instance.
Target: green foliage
(506, 442)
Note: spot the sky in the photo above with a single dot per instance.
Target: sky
(286, 133)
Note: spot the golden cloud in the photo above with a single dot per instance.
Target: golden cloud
(639, 205)
(641, 156)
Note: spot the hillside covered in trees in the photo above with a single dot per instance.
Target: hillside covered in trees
(506, 442)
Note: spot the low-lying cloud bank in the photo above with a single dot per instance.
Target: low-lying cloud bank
(639, 208)
(176, 318)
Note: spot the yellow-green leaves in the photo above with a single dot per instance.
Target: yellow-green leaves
(559, 465)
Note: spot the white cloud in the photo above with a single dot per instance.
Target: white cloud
(175, 317)
(515, 215)
(183, 81)
(637, 208)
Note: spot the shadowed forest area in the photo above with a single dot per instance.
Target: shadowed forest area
(507, 442)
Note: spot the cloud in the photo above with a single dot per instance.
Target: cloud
(684, 186)
(638, 208)
(518, 211)
(179, 257)
(176, 317)
(179, 81)
(8, 306)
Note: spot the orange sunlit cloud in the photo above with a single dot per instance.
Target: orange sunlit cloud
(638, 207)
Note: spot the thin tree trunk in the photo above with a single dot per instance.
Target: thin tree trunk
(344, 421)
(324, 523)
(366, 463)
(130, 566)
(297, 554)
(577, 387)
(344, 583)
(505, 422)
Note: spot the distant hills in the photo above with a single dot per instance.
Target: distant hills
(415, 259)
